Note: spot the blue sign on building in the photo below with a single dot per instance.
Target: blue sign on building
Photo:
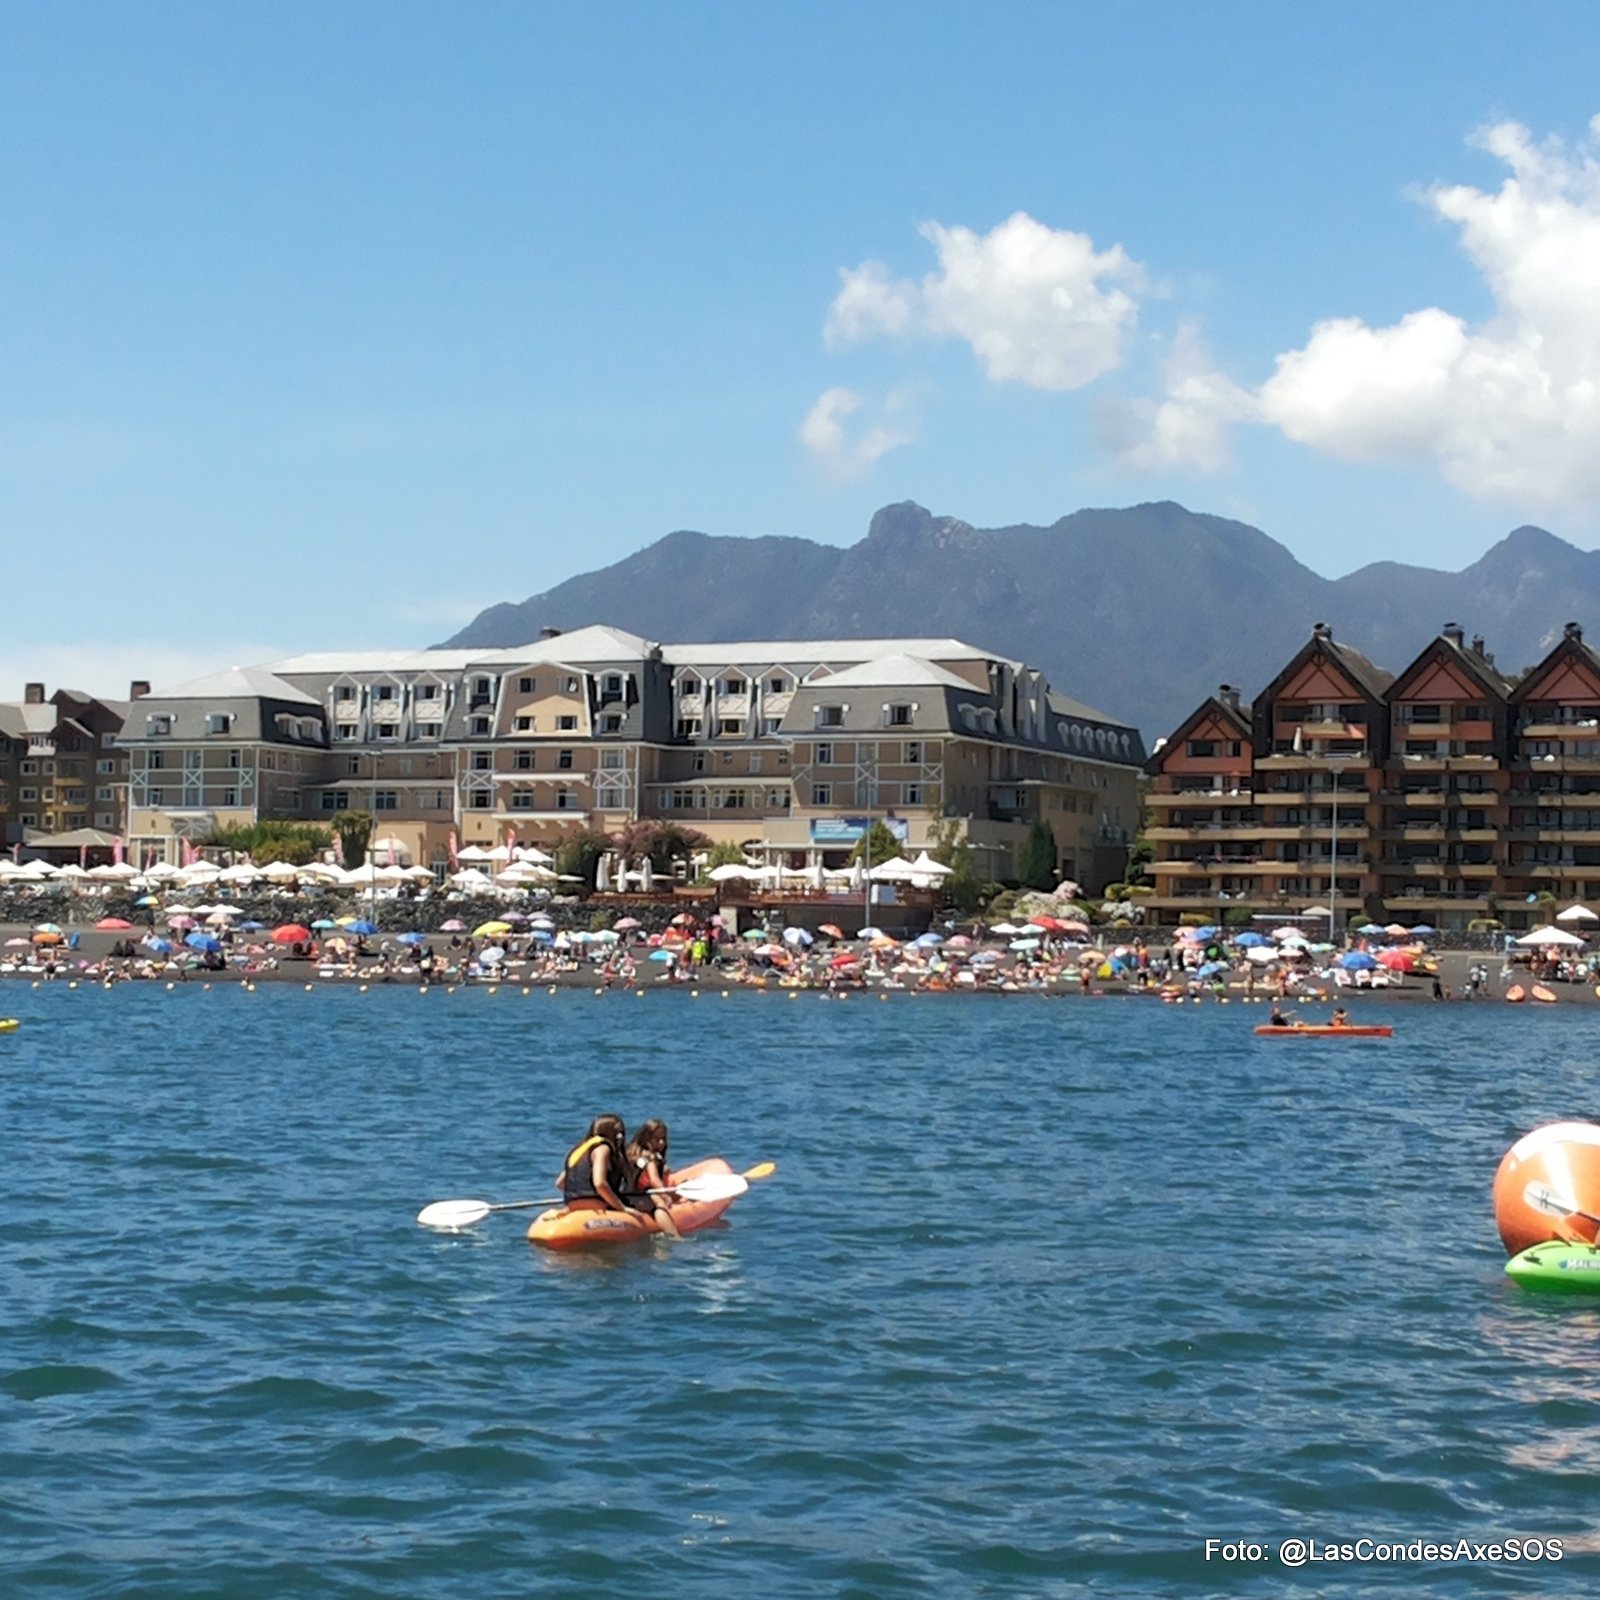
(848, 830)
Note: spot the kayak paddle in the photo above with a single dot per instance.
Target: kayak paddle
(1543, 1198)
(714, 1186)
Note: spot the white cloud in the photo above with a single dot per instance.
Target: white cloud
(1508, 409)
(826, 438)
(1038, 305)
(104, 668)
(1190, 426)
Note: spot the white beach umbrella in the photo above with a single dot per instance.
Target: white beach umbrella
(240, 872)
(1550, 935)
(647, 876)
(1578, 914)
(926, 867)
(733, 869)
(895, 870)
(533, 855)
(602, 874)
(475, 852)
(73, 872)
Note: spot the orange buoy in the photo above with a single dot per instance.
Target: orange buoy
(1542, 1174)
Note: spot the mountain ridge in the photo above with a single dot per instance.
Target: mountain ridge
(1143, 609)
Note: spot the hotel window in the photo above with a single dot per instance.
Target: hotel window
(727, 758)
(522, 724)
(29, 820)
(335, 799)
(911, 794)
(233, 759)
(1201, 748)
(732, 686)
(770, 725)
(522, 799)
(822, 794)
(155, 797)
(566, 800)
(29, 768)
(344, 730)
(105, 794)
(480, 690)
(777, 799)
(613, 685)
(344, 692)
(483, 760)
(913, 752)
(523, 761)
(697, 762)
(352, 766)
(383, 691)
(611, 724)
(387, 730)
(777, 685)
(824, 756)
(525, 686)
(230, 797)
(830, 716)
(730, 727)
(428, 730)
(479, 800)
(569, 686)
(30, 794)
(158, 727)
(567, 724)
(613, 760)
(386, 800)
(733, 800)
(683, 799)
(609, 799)
(755, 760)
(898, 716)
(105, 766)
(105, 819)
(688, 728)
(563, 761)
(481, 725)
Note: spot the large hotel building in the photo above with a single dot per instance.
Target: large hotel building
(1445, 794)
(784, 748)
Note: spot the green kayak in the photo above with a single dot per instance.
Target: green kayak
(1557, 1267)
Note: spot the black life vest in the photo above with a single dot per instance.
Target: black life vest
(579, 1169)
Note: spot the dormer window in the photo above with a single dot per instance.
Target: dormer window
(613, 685)
(777, 685)
(688, 686)
(830, 716)
(732, 686)
(482, 689)
(481, 724)
(525, 685)
(345, 691)
(158, 727)
(218, 722)
(898, 716)
(383, 691)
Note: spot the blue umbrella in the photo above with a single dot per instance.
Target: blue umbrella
(162, 947)
(1249, 940)
(1370, 927)
(147, 900)
(929, 940)
(251, 927)
(413, 938)
(662, 955)
(361, 927)
(1206, 933)
(1422, 927)
(542, 936)
(1357, 961)
(1212, 968)
(202, 941)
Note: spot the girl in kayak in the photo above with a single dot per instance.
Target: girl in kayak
(647, 1171)
(596, 1167)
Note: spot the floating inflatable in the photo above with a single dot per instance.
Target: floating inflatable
(1546, 1180)
(590, 1225)
(1515, 993)
(1546, 996)
(1557, 1267)
(1324, 1030)
(8, 1024)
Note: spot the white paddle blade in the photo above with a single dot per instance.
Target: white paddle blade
(453, 1213)
(1543, 1198)
(714, 1186)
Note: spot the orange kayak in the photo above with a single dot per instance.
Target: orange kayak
(590, 1225)
(1322, 1030)
(1546, 996)
(1515, 993)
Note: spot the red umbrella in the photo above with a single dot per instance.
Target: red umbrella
(845, 961)
(110, 924)
(1397, 960)
(831, 931)
(1049, 924)
(291, 933)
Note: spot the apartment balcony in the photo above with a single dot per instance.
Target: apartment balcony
(1313, 830)
(1420, 897)
(1561, 764)
(1577, 836)
(1222, 831)
(1558, 730)
(1413, 797)
(1430, 832)
(1199, 797)
(1282, 797)
(1203, 869)
(1311, 761)
(1556, 797)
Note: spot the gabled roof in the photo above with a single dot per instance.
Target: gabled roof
(1370, 679)
(896, 671)
(1473, 662)
(18, 719)
(1212, 706)
(747, 652)
(1570, 647)
(237, 683)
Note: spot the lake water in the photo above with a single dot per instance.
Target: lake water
(1045, 1293)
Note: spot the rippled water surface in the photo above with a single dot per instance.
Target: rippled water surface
(1044, 1293)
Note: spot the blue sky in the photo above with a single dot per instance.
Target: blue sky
(328, 325)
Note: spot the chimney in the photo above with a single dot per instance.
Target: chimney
(33, 694)
(1321, 630)
(1572, 631)
(1455, 633)
(549, 633)
(1229, 696)
(1477, 645)
(138, 689)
